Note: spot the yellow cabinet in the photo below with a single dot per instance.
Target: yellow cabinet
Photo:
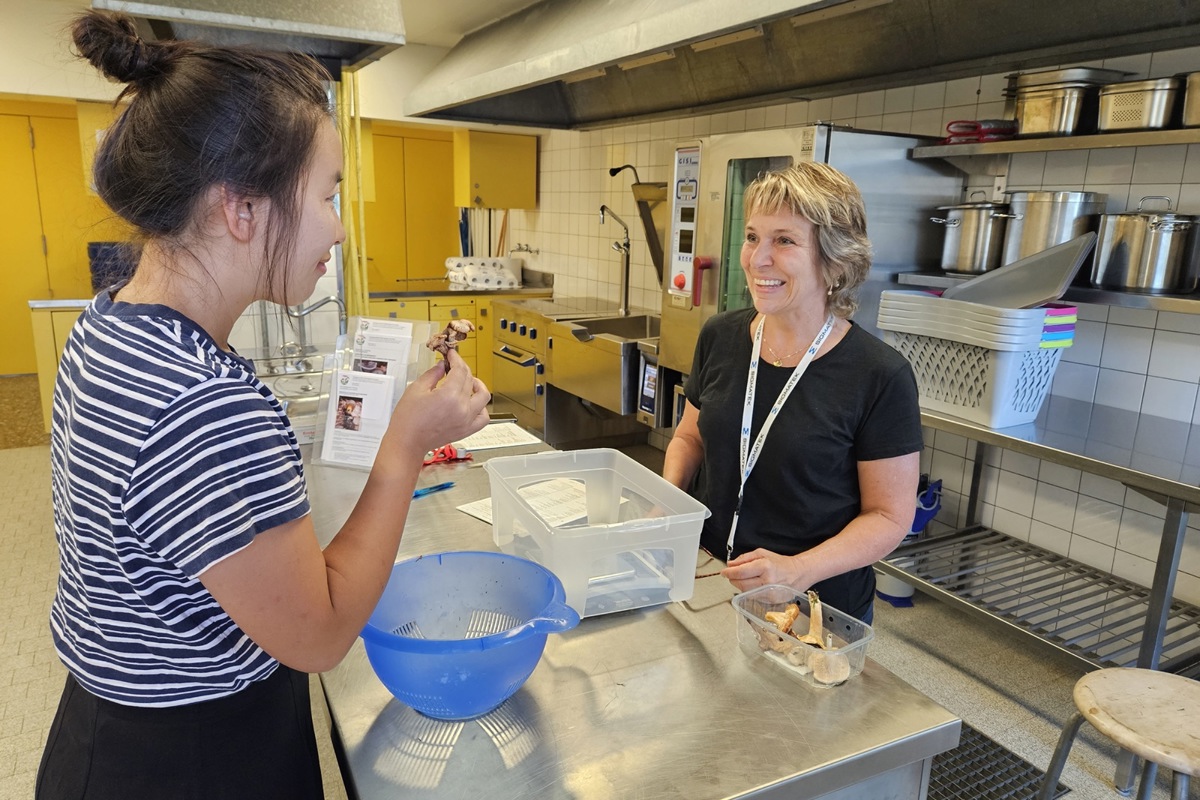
(412, 222)
(399, 309)
(494, 170)
(50, 330)
(485, 339)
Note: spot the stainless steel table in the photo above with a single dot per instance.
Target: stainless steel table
(658, 702)
(1097, 618)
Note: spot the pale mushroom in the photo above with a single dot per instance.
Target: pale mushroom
(829, 667)
(783, 619)
(816, 632)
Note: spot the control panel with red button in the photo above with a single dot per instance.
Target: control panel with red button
(683, 279)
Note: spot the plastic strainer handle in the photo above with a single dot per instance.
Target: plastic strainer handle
(556, 619)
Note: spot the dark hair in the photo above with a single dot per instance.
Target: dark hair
(203, 116)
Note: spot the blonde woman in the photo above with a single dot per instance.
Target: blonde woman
(801, 430)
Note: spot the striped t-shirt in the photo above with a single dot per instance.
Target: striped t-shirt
(168, 455)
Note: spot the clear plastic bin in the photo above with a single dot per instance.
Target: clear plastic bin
(841, 661)
(631, 540)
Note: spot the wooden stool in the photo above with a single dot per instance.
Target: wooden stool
(1154, 715)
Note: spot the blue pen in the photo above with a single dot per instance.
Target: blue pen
(437, 487)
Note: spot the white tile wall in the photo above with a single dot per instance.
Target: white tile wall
(1134, 359)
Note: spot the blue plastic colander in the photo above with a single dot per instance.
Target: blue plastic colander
(455, 634)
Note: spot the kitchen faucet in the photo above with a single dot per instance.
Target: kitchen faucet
(298, 312)
(621, 247)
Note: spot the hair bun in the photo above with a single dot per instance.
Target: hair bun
(110, 42)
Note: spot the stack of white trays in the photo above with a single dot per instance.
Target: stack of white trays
(986, 364)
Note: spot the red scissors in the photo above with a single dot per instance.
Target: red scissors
(446, 454)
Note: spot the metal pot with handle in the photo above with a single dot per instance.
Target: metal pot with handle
(1042, 220)
(1147, 251)
(974, 235)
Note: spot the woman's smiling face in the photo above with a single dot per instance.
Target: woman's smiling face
(782, 262)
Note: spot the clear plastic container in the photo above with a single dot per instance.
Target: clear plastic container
(617, 535)
(847, 638)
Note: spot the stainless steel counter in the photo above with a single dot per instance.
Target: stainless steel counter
(658, 702)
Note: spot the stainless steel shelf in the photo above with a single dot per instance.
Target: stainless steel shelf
(1087, 614)
(1179, 303)
(1049, 143)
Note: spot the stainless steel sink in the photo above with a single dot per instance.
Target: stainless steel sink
(597, 359)
(642, 326)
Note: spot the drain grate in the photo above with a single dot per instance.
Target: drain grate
(980, 769)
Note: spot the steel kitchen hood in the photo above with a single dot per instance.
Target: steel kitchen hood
(341, 34)
(581, 63)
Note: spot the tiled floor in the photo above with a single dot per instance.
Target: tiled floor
(1014, 694)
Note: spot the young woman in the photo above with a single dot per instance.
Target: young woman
(804, 429)
(192, 595)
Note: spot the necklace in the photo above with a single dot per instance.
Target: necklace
(780, 359)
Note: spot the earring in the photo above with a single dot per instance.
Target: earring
(829, 292)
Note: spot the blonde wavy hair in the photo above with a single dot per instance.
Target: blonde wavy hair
(833, 204)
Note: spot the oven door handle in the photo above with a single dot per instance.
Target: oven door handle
(516, 356)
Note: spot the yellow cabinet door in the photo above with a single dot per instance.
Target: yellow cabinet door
(21, 243)
(429, 203)
(71, 215)
(386, 218)
(399, 309)
(494, 170)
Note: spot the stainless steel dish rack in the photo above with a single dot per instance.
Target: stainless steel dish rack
(1084, 612)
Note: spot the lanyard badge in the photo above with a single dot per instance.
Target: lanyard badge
(749, 455)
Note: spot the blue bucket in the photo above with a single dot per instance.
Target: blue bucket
(456, 634)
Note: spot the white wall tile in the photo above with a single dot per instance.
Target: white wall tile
(1058, 475)
(1025, 171)
(1133, 317)
(1166, 63)
(1137, 65)
(1139, 502)
(845, 106)
(1116, 195)
(899, 99)
(1133, 568)
(1068, 167)
(1098, 520)
(1110, 165)
(1175, 355)
(1127, 348)
(929, 96)
(1139, 533)
(951, 470)
(1075, 381)
(870, 104)
(1042, 534)
(1092, 553)
(962, 91)
(1102, 488)
(1161, 164)
(1016, 493)
(1170, 399)
(1088, 345)
(1121, 389)
(1019, 463)
(1011, 523)
(1054, 506)
(952, 443)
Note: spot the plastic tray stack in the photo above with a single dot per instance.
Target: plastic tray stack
(925, 313)
(986, 364)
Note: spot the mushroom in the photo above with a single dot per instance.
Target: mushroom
(783, 619)
(829, 667)
(816, 632)
(446, 340)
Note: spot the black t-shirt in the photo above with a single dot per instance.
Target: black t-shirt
(857, 402)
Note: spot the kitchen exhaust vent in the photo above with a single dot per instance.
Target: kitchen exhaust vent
(585, 63)
(342, 35)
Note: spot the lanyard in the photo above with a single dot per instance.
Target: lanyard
(749, 456)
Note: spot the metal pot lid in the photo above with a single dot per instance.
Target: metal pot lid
(1157, 219)
(983, 205)
(1057, 197)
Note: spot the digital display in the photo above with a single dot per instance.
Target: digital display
(685, 240)
(649, 386)
(687, 214)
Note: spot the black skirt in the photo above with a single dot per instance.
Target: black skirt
(258, 743)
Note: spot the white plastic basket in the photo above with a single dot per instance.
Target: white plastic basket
(996, 388)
